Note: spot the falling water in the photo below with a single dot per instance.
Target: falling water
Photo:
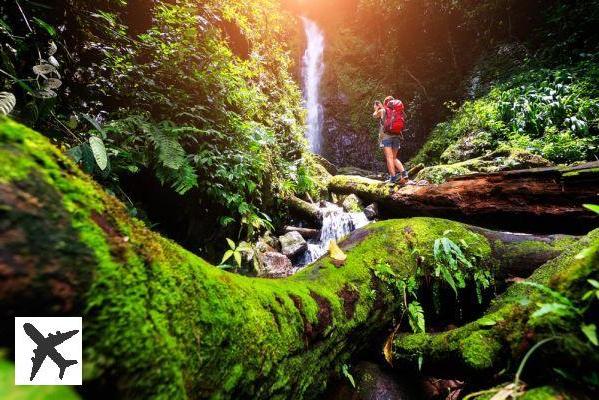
(336, 224)
(312, 69)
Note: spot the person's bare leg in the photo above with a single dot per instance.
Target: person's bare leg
(398, 165)
(388, 152)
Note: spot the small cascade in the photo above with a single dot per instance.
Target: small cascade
(336, 224)
(312, 70)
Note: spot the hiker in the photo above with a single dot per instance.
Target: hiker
(391, 122)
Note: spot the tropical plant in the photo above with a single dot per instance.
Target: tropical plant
(348, 375)
(236, 251)
(7, 102)
(454, 268)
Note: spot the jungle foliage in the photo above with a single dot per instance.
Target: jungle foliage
(195, 98)
(550, 112)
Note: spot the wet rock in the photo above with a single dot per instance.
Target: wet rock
(372, 211)
(372, 383)
(352, 203)
(274, 265)
(292, 243)
(267, 242)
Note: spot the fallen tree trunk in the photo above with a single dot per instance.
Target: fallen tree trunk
(518, 255)
(305, 210)
(307, 233)
(159, 321)
(534, 200)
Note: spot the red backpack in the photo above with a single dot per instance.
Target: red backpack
(394, 117)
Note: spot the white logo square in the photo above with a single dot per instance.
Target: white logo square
(48, 350)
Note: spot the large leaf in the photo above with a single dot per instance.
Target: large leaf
(226, 256)
(590, 331)
(99, 151)
(592, 207)
(47, 27)
(43, 69)
(559, 309)
(237, 256)
(95, 124)
(231, 243)
(7, 102)
(416, 317)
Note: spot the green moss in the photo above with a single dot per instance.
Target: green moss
(480, 350)
(9, 391)
(539, 393)
(581, 172)
(502, 159)
(545, 393)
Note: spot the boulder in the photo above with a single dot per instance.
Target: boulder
(274, 265)
(352, 203)
(292, 243)
(372, 211)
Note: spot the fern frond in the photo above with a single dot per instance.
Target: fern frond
(181, 180)
(185, 179)
(8, 101)
(170, 152)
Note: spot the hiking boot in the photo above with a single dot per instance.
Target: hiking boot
(392, 180)
(404, 174)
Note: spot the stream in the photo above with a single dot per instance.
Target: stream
(336, 224)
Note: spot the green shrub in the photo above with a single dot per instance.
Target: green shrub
(550, 112)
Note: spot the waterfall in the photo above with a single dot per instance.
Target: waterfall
(312, 69)
(336, 224)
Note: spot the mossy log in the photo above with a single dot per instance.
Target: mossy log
(518, 255)
(534, 200)
(305, 210)
(160, 322)
(500, 338)
(307, 233)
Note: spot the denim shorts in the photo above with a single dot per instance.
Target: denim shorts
(392, 142)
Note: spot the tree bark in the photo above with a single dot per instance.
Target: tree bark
(539, 200)
(159, 321)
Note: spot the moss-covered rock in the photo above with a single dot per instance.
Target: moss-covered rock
(352, 203)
